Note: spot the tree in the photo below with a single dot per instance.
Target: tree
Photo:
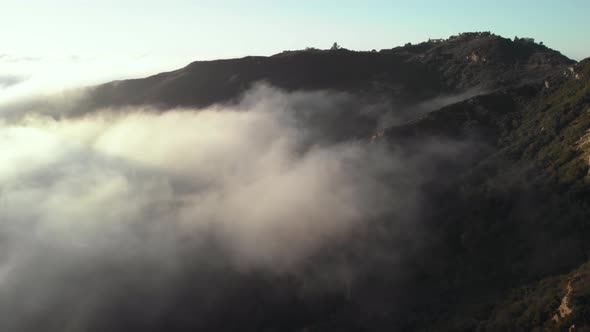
(335, 46)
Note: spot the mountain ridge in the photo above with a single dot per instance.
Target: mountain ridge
(407, 73)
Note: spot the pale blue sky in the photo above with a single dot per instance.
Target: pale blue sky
(182, 31)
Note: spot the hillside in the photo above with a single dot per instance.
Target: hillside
(492, 214)
(520, 212)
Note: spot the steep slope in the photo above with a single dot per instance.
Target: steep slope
(520, 211)
(504, 203)
(554, 133)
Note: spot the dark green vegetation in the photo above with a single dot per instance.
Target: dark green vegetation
(504, 221)
(537, 306)
(520, 212)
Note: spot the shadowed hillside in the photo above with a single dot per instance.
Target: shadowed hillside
(509, 209)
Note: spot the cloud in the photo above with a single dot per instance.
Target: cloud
(415, 111)
(12, 58)
(10, 80)
(40, 79)
(223, 158)
(112, 220)
(125, 186)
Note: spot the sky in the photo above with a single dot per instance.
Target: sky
(120, 192)
(143, 37)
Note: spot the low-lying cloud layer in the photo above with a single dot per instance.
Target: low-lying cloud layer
(251, 171)
(129, 209)
(140, 187)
